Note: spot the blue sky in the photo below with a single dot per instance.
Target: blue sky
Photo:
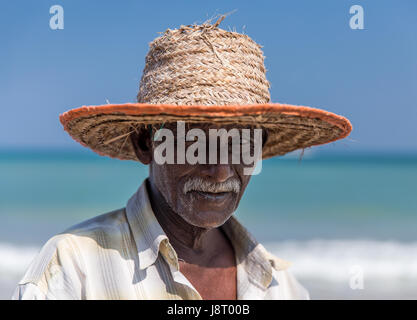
(313, 58)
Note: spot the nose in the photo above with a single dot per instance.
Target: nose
(217, 172)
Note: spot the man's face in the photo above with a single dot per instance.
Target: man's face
(204, 195)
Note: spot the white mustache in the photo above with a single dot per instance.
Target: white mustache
(199, 184)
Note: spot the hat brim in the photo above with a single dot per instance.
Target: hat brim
(106, 128)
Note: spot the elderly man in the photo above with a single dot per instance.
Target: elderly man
(177, 237)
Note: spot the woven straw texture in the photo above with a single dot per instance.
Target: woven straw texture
(201, 73)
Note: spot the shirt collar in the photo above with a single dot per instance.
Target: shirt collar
(150, 239)
(147, 232)
(252, 255)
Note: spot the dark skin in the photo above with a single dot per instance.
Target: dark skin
(191, 221)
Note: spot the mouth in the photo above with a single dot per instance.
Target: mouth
(211, 196)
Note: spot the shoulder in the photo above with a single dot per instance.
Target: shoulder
(292, 289)
(61, 263)
(105, 230)
(283, 278)
(52, 272)
(107, 222)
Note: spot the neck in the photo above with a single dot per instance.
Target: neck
(184, 237)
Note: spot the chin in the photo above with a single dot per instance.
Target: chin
(207, 219)
(207, 211)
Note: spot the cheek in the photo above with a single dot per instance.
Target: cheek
(168, 179)
(244, 179)
(164, 181)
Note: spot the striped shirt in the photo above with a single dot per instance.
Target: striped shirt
(125, 254)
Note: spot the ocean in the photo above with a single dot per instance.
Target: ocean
(347, 222)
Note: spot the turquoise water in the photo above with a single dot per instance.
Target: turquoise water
(323, 213)
(322, 197)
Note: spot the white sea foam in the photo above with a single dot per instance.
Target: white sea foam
(14, 259)
(331, 260)
(338, 260)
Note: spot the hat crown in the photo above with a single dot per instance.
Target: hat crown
(204, 65)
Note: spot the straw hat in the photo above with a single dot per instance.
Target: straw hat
(200, 74)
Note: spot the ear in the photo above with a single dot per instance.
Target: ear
(142, 144)
(264, 136)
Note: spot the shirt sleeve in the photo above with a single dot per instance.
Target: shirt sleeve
(55, 273)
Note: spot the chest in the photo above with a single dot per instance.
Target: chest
(218, 283)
